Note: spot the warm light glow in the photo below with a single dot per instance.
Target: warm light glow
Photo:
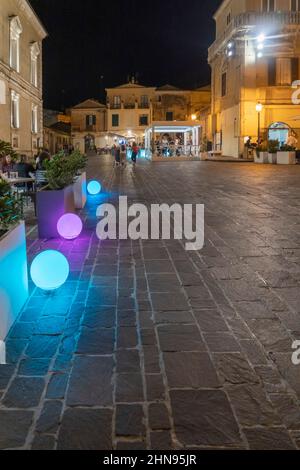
(259, 107)
(261, 38)
(194, 117)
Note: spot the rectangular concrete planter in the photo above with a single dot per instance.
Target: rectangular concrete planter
(286, 158)
(13, 278)
(51, 205)
(80, 191)
(261, 157)
(272, 158)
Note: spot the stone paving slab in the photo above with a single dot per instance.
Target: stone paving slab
(148, 346)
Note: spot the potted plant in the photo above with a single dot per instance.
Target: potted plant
(273, 146)
(261, 154)
(57, 198)
(286, 155)
(79, 162)
(6, 149)
(13, 260)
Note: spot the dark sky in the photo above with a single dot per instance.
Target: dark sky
(94, 44)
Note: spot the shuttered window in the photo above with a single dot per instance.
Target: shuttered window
(272, 71)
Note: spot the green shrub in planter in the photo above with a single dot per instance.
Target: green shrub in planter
(10, 207)
(60, 172)
(6, 149)
(273, 147)
(78, 161)
(13, 262)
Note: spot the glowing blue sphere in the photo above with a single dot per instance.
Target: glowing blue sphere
(94, 187)
(49, 270)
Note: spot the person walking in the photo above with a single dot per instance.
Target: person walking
(134, 154)
(117, 152)
(123, 155)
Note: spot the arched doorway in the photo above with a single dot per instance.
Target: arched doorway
(89, 143)
(279, 131)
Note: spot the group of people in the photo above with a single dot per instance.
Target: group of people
(119, 153)
(24, 168)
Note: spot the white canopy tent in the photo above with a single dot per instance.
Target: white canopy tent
(188, 147)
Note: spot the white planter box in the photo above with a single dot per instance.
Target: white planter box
(261, 157)
(272, 158)
(286, 158)
(13, 277)
(80, 191)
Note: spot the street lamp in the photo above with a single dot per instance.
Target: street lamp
(259, 108)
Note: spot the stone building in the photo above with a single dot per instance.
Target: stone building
(254, 62)
(57, 131)
(21, 36)
(88, 120)
(129, 111)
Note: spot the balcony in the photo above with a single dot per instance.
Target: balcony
(248, 21)
(84, 129)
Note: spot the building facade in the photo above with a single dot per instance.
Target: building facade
(255, 59)
(21, 109)
(57, 131)
(129, 111)
(88, 121)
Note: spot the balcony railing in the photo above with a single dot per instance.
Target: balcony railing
(84, 129)
(250, 20)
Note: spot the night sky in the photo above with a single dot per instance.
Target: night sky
(95, 44)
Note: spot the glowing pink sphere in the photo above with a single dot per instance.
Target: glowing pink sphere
(69, 226)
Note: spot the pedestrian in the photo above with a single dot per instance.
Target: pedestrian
(134, 154)
(123, 155)
(7, 164)
(117, 154)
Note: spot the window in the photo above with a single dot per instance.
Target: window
(117, 102)
(15, 33)
(115, 120)
(15, 113)
(144, 120)
(91, 120)
(283, 71)
(268, 5)
(34, 53)
(169, 116)
(144, 101)
(224, 84)
(2, 92)
(34, 119)
(295, 5)
(272, 71)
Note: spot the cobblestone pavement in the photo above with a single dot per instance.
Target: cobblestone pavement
(148, 346)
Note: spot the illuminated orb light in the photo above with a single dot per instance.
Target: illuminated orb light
(49, 270)
(69, 226)
(94, 187)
